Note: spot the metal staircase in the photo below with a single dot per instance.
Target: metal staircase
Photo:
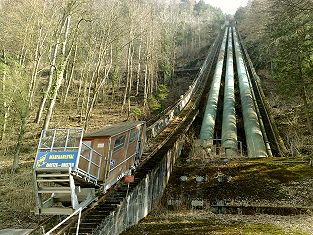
(60, 186)
(56, 192)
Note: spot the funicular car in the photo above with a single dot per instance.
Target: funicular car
(70, 166)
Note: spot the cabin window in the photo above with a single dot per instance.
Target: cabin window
(133, 135)
(119, 142)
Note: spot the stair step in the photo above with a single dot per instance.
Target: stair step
(96, 219)
(82, 230)
(52, 180)
(102, 210)
(98, 215)
(52, 175)
(114, 202)
(115, 199)
(54, 190)
(108, 207)
(91, 225)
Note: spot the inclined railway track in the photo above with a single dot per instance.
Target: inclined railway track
(92, 216)
(106, 205)
(158, 146)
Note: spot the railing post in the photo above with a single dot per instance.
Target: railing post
(89, 163)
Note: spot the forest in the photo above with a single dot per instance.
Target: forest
(87, 64)
(278, 35)
(91, 63)
(76, 54)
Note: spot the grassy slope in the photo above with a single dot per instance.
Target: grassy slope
(264, 182)
(16, 191)
(202, 222)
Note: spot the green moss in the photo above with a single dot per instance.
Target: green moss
(252, 180)
(189, 225)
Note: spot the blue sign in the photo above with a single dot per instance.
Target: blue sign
(56, 160)
(112, 163)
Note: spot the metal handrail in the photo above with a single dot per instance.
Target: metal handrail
(98, 166)
(125, 160)
(66, 219)
(91, 148)
(57, 148)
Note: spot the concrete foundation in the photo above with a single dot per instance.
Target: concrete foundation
(144, 197)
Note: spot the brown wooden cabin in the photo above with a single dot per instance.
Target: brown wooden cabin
(115, 151)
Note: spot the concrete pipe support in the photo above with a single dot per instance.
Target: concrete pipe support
(229, 129)
(254, 138)
(208, 123)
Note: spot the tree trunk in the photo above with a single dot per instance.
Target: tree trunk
(50, 82)
(71, 75)
(145, 90)
(64, 24)
(304, 96)
(21, 134)
(92, 82)
(81, 79)
(97, 90)
(138, 66)
(5, 107)
(130, 81)
(306, 109)
(60, 77)
(60, 74)
(127, 76)
(23, 49)
(37, 56)
(83, 85)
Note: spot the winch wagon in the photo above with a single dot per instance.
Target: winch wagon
(71, 166)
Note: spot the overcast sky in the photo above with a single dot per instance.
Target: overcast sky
(228, 6)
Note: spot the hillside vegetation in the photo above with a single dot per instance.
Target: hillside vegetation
(78, 63)
(278, 35)
(75, 55)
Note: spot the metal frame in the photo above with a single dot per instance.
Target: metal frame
(66, 147)
(239, 144)
(79, 172)
(87, 175)
(47, 180)
(68, 193)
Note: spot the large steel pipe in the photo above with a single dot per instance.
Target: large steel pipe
(229, 129)
(254, 138)
(208, 123)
